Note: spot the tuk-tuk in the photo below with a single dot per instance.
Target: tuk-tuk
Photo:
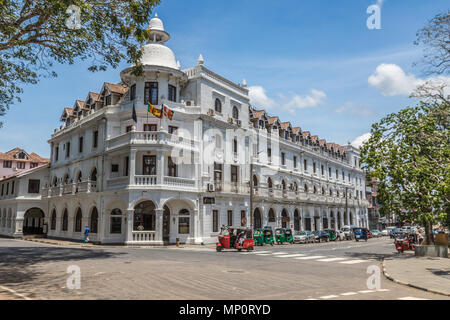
(235, 238)
(360, 234)
(258, 237)
(333, 234)
(268, 235)
(280, 235)
(289, 236)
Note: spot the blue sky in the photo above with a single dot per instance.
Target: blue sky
(309, 62)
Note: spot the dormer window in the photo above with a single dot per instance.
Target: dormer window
(108, 100)
(218, 106)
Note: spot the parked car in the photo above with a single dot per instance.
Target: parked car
(304, 237)
(406, 229)
(321, 236)
(340, 235)
(385, 233)
(376, 233)
(347, 230)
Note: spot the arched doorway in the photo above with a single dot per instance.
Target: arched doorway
(94, 221)
(166, 225)
(284, 218)
(346, 220)
(33, 221)
(296, 220)
(332, 220)
(144, 216)
(271, 218)
(78, 220)
(257, 219)
(351, 218)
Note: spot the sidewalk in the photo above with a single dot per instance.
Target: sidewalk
(425, 273)
(80, 244)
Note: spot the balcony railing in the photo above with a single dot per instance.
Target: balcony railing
(143, 236)
(70, 189)
(149, 138)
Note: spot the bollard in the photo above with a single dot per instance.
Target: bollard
(178, 242)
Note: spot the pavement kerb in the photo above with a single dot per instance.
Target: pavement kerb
(410, 284)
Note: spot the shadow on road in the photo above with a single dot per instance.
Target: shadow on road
(17, 263)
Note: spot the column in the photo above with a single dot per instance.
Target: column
(160, 168)
(132, 166)
(18, 227)
(129, 225)
(195, 227)
(159, 226)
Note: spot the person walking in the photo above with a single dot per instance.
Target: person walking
(86, 234)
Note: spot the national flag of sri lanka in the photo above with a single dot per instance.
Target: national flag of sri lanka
(168, 112)
(158, 113)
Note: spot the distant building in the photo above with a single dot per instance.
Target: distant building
(18, 160)
(375, 220)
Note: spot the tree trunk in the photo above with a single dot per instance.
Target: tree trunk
(429, 237)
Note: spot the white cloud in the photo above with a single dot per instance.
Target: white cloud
(391, 80)
(360, 140)
(316, 98)
(355, 108)
(259, 98)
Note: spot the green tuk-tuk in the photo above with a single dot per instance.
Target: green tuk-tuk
(289, 236)
(258, 236)
(268, 235)
(333, 234)
(280, 235)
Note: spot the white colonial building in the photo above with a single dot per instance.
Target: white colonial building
(153, 181)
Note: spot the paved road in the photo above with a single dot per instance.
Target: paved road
(326, 271)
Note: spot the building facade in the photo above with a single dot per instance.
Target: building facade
(153, 181)
(18, 160)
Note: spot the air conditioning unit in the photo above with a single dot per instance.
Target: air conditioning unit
(210, 187)
(230, 120)
(239, 123)
(190, 103)
(211, 112)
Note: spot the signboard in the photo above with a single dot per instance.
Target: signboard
(209, 200)
(285, 219)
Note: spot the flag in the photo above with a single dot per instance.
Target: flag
(158, 113)
(134, 114)
(168, 112)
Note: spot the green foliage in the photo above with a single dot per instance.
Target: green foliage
(409, 153)
(34, 35)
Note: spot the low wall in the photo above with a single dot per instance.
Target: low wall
(431, 251)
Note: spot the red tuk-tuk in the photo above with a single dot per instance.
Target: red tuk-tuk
(404, 241)
(235, 238)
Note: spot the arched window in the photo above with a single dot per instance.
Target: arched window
(79, 177)
(295, 186)
(218, 106)
(94, 220)
(337, 193)
(78, 220)
(255, 182)
(94, 175)
(271, 215)
(55, 181)
(315, 189)
(66, 178)
(53, 220)
(235, 113)
(116, 221)
(65, 220)
(331, 192)
(296, 220)
(269, 184)
(283, 185)
(183, 221)
(323, 190)
(306, 187)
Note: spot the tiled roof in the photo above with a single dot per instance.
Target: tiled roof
(305, 134)
(32, 157)
(322, 142)
(24, 171)
(314, 138)
(285, 125)
(296, 130)
(272, 119)
(117, 88)
(94, 95)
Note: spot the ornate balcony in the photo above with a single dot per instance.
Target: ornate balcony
(146, 138)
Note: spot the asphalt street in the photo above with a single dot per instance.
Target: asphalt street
(322, 271)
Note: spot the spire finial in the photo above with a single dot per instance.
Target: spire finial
(201, 60)
(244, 83)
(156, 14)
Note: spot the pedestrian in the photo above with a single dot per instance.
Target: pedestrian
(86, 234)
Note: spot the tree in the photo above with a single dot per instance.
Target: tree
(436, 39)
(34, 34)
(409, 154)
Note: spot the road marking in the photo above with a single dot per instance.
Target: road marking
(14, 293)
(262, 251)
(331, 259)
(352, 261)
(411, 298)
(348, 293)
(311, 299)
(277, 253)
(328, 297)
(291, 256)
(310, 257)
(367, 291)
(383, 290)
(263, 254)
